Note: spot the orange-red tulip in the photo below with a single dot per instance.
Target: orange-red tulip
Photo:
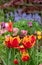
(25, 57)
(11, 42)
(29, 41)
(10, 27)
(22, 48)
(15, 61)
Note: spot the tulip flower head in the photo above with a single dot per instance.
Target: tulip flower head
(10, 27)
(38, 35)
(30, 24)
(23, 32)
(25, 57)
(6, 25)
(15, 31)
(3, 25)
(29, 41)
(11, 42)
(16, 61)
(22, 48)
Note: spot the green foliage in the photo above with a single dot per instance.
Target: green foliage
(3, 1)
(1, 15)
(23, 25)
(8, 55)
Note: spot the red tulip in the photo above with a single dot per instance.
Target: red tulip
(29, 41)
(10, 27)
(25, 57)
(15, 61)
(11, 42)
(15, 43)
(22, 48)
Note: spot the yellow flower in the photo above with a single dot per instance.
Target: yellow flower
(38, 33)
(39, 37)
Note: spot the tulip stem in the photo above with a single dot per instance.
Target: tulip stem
(7, 56)
(12, 56)
(26, 63)
(37, 52)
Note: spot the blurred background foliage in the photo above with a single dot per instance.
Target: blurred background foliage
(3, 1)
(1, 15)
(23, 24)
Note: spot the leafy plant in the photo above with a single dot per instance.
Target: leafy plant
(1, 15)
(8, 55)
(23, 25)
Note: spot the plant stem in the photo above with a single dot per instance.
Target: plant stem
(37, 52)
(12, 56)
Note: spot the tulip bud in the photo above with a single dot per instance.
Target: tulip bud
(15, 61)
(25, 57)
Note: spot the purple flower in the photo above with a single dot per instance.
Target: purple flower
(24, 32)
(3, 25)
(3, 31)
(15, 31)
(30, 24)
(6, 25)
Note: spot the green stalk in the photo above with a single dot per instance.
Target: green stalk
(12, 56)
(26, 63)
(37, 52)
(7, 54)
